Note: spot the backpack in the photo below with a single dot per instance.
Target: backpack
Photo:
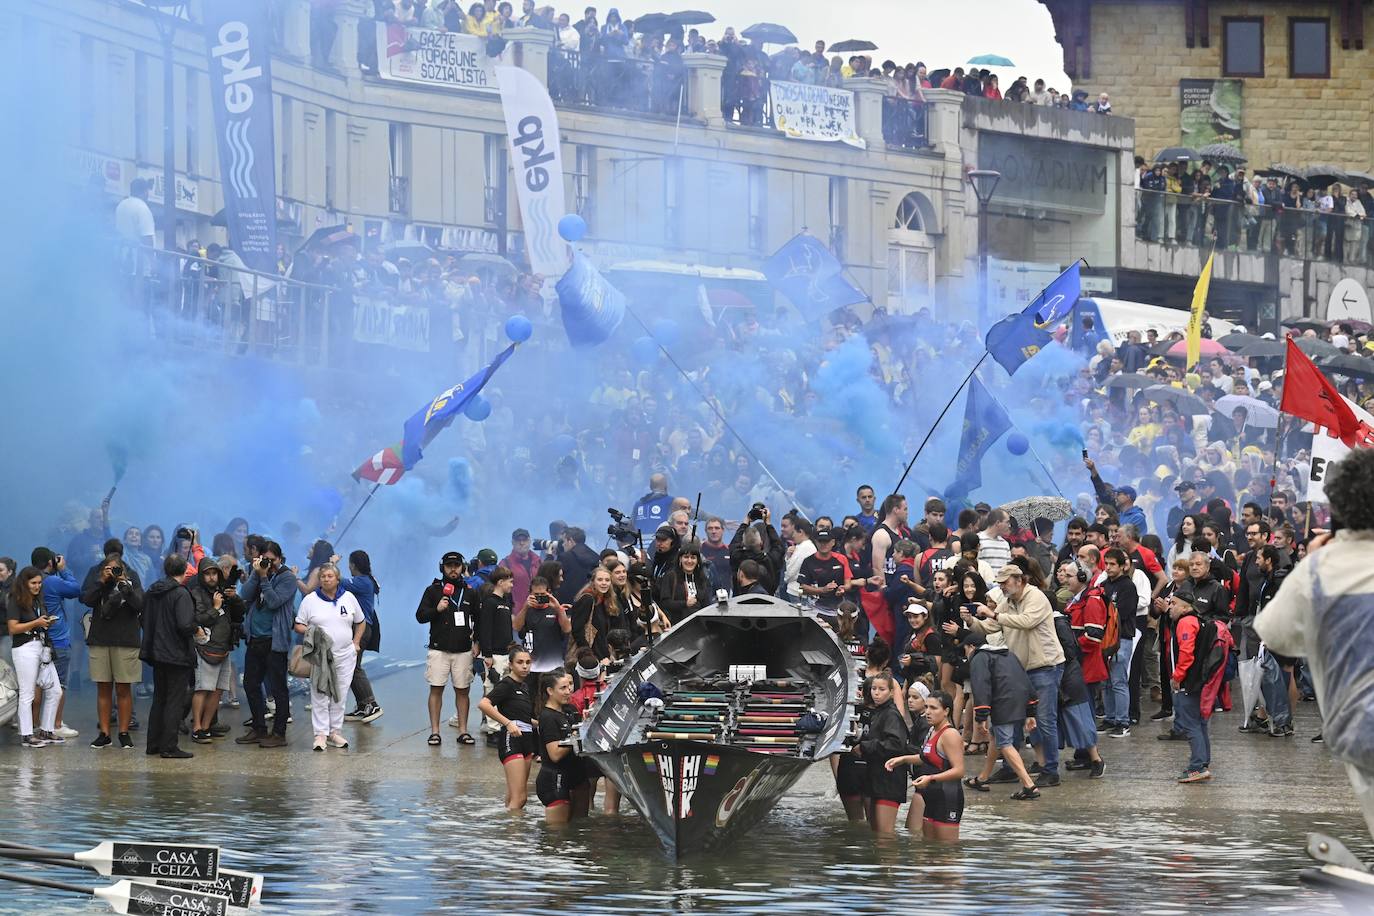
(1111, 632)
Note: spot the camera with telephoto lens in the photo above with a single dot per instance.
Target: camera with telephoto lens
(756, 512)
(186, 534)
(541, 544)
(623, 530)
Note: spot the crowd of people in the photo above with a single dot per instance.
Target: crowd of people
(1198, 203)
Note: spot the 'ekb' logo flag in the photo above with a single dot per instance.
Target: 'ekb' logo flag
(806, 272)
(1018, 337)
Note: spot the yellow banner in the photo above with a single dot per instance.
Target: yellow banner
(1204, 280)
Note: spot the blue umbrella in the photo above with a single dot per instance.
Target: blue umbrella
(991, 60)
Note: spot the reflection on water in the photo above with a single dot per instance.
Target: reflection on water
(421, 845)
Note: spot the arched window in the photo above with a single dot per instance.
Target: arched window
(909, 213)
(910, 255)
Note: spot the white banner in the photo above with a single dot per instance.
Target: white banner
(434, 58)
(808, 112)
(1326, 450)
(537, 163)
(405, 327)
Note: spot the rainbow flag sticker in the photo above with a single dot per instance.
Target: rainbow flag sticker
(712, 760)
(649, 763)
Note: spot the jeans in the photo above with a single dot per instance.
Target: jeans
(1079, 732)
(263, 665)
(1144, 638)
(1188, 720)
(361, 686)
(171, 691)
(1274, 687)
(1046, 683)
(1116, 699)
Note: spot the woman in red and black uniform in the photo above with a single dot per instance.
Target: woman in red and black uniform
(511, 704)
(940, 767)
(562, 781)
(884, 737)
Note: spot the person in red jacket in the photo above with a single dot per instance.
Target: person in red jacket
(1087, 613)
(1185, 669)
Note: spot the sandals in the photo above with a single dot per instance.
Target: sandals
(1027, 794)
(976, 784)
(465, 738)
(976, 748)
(434, 740)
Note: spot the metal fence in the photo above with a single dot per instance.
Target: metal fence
(904, 123)
(629, 84)
(1299, 232)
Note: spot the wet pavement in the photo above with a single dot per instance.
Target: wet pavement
(394, 826)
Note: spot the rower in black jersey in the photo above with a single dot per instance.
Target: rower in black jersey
(562, 783)
(511, 704)
(884, 737)
(940, 767)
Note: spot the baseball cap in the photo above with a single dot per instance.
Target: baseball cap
(453, 556)
(1186, 594)
(1185, 485)
(487, 557)
(914, 609)
(520, 534)
(666, 531)
(1127, 491)
(1006, 572)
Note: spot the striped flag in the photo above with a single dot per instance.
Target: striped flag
(385, 467)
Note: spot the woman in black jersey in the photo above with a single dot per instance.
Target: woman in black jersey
(562, 783)
(883, 738)
(939, 769)
(511, 704)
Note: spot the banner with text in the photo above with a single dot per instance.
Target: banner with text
(238, 35)
(1210, 111)
(536, 160)
(1326, 451)
(405, 327)
(807, 112)
(433, 58)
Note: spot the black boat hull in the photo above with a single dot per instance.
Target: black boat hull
(696, 795)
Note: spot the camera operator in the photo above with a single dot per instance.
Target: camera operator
(270, 597)
(113, 636)
(219, 611)
(186, 542)
(758, 540)
(578, 561)
(450, 608)
(667, 543)
(544, 622)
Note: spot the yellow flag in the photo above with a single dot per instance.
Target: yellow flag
(1204, 280)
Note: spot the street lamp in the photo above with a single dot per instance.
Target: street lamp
(167, 16)
(984, 182)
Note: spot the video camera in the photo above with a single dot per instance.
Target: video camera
(623, 530)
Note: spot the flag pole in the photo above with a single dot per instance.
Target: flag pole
(1274, 469)
(930, 432)
(1034, 454)
(338, 539)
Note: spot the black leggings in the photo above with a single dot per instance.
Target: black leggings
(1144, 638)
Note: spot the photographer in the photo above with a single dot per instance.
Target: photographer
(758, 541)
(219, 615)
(543, 622)
(523, 564)
(270, 597)
(578, 561)
(115, 597)
(450, 608)
(186, 542)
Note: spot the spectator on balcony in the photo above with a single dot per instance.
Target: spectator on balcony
(819, 50)
(590, 30)
(614, 38)
(1039, 96)
(481, 23)
(752, 89)
(973, 82)
(669, 77)
(406, 12)
(1019, 91)
(1354, 228)
(567, 38)
(802, 70)
(1326, 207)
(834, 74)
(505, 17)
(1173, 187)
(1104, 104)
(1079, 102)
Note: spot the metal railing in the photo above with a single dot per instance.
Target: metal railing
(625, 84)
(904, 123)
(398, 195)
(1200, 221)
(745, 100)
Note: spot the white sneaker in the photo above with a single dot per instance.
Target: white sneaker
(454, 723)
(337, 740)
(65, 732)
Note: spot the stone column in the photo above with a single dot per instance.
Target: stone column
(868, 110)
(943, 124)
(295, 29)
(355, 23)
(529, 49)
(704, 72)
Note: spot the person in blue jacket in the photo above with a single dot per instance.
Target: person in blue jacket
(270, 594)
(58, 585)
(363, 585)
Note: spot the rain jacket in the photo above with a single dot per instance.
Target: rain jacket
(277, 597)
(1001, 688)
(169, 619)
(317, 649)
(1087, 614)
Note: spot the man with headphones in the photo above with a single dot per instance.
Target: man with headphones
(1079, 627)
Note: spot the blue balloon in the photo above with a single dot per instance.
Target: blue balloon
(563, 444)
(572, 227)
(666, 331)
(1017, 444)
(645, 351)
(478, 409)
(518, 328)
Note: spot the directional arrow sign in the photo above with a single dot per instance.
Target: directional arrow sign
(1348, 300)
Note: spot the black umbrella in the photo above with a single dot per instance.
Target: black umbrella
(1263, 349)
(1182, 399)
(329, 235)
(1281, 170)
(1358, 179)
(1305, 324)
(1348, 365)
(1323, 176)
(852, 45)
(1237, 341)
(652, 23)
(1178, 154)
(769, 33)
(1129, 380)
(938, 76)
(1315, 346)
(1222, 152)
(692, 17)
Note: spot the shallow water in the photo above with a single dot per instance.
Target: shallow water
(396, 827)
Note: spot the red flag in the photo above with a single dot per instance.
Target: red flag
(1309, 394)
(385, 467)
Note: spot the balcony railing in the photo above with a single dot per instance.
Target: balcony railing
(630, 84)
(1298, 232)
(398, 196)
(904, 123)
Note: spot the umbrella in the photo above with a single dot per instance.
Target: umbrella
(481, 261)
(1130, 380)
(1281, 170)
(691, 17)
(329, 235)
(1206, 347)
(991, 60)
(1359, 179)
(1355, 324)
(1025, 511)
(652, 23)
(411, 251)
(1264, 348)
(1222, 152)
(938, 76)
(1306, 324)
(1257, 412)
(770, 33)
(1349, 366)
(1314, 346)
(1182, 399)
(852, 45)
(1323, 176)
(1236, 341)
(1178, 154)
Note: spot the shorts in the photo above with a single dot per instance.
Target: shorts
(555, 787)
(1285, 661)
(443, 667)
(509, 746)
(851, 777)
(115, 664)
(61, 659)
(211, 677)
(1004, 735)
(944, 801)
(884, 786)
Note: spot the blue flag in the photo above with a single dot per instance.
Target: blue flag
(434, 417)
(592, 307)
(806, 272)
(1018, 337)
(984, 421)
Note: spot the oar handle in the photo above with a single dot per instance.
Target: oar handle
(63, 863)
(44, 882)
(13, 853)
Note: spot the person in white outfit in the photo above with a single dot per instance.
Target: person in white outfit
(28, 628)
(338, 613)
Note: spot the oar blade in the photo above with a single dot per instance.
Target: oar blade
(138, 899)
(178, 861)
(244, 889)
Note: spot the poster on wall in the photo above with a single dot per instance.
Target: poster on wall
(433, 57)
(806, 112)
(1209, 112)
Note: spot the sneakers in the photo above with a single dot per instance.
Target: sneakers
(319, 743)
(34, 741)
(125, 742)
(63, 731)
(1172, 736)
(219, 731)
(1099, 767)
(1003, 774)
(177, 754)
(1073, 765)
(133, 723)
(354, 716)
(454, 723)
(1035, 768)
(1252, 727)
(101, 740)
(1195, 776)
(1047, 780)
(252, 736)
(202, 736)
(1119, 731)
(337, 740)
(371, 713)
(272, 741)
(1161, 716)
(1281, 731)
(1317, 738)
(51, 737)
